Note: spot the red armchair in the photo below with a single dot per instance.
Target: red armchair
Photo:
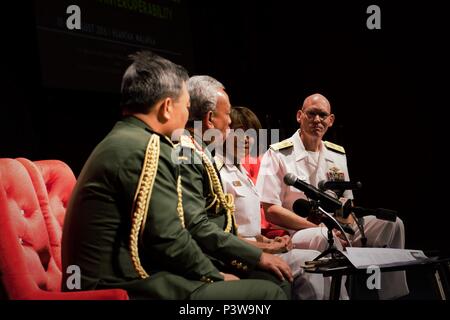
(32, 207)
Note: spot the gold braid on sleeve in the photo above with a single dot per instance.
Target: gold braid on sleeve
(142, 201)
(221, 199)
(180, 202)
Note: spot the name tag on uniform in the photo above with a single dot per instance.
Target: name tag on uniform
(237, 183)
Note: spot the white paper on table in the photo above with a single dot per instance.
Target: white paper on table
(383, 257)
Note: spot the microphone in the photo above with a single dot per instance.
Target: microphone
(380, 213)
(303, 208)
(327, 202)
(339, 185)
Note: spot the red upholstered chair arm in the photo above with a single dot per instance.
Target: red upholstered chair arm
(111, 294)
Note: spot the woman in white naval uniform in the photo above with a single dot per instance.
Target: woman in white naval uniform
(235, 180)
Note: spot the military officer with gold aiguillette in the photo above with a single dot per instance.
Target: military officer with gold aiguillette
(126, 222)
(210, 109)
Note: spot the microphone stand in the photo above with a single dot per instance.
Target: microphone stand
(330, 222)
(360, 223)
(359, 220)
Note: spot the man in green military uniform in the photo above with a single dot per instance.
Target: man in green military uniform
(204, 196)
(125, 224)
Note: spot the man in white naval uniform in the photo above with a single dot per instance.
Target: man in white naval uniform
(313, 160)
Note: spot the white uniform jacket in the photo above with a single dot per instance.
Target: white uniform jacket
(235, 180)
(290, 156)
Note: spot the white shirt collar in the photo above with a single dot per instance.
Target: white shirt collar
(299, 148)
(300, 151)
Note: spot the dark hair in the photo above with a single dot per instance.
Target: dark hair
(242, 117)
(148, 79)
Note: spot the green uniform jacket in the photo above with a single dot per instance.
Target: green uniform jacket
(229, 253)
(98, 222)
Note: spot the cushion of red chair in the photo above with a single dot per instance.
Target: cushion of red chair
(26, 263)
(28, 268)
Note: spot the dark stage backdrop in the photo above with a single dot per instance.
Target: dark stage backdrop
(60, 88)
(94, 57)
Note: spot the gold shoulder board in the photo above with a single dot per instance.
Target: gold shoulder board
(334, 147)
(186, 142)
(282, 145)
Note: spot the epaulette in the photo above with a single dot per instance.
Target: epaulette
(186, 142)
(334, 147)
(219, 163)
(282, 145)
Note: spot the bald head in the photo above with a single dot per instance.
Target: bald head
(314, 118)
(316, 99)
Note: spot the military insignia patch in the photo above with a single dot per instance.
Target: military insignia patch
(335, 174)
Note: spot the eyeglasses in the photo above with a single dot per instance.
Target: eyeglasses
(311, 115)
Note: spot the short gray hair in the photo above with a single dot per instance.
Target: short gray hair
(203, 95)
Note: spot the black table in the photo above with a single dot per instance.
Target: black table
(438, 264)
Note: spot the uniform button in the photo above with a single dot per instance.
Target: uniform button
(245, 268)
(206, 279)
(239, 265)
(21, 241)
(234, 262)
